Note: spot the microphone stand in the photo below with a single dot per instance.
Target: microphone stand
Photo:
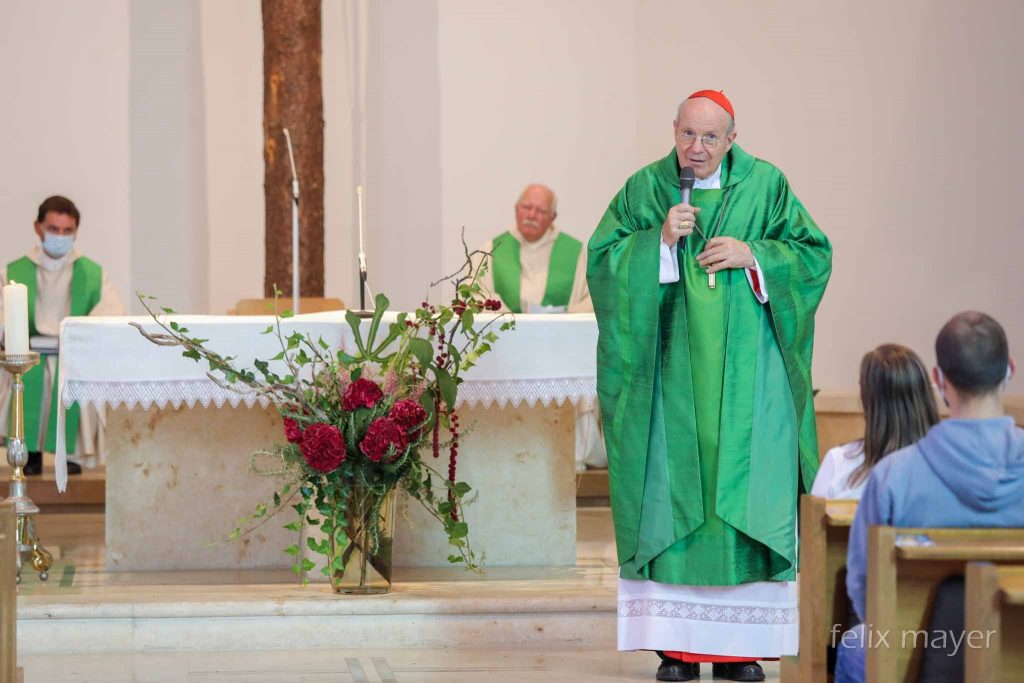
(295, 226)
(362, 312)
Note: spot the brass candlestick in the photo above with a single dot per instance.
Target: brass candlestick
(17, 455)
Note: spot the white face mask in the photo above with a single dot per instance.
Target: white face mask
(58, 246)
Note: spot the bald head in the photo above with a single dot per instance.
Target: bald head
(535, 211)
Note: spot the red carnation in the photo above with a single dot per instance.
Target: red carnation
(361, 393)
(409, 415)
(322, 447)
(292, 430)
(381, 435)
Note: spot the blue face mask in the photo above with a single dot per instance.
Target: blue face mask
(58, 246)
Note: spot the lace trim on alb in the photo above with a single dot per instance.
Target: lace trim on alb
(696, 611)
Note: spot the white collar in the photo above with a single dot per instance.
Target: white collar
(546, 239)
(712, 182)
(52, 264)
(39, 256)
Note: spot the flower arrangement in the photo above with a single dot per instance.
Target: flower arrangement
(360, 425)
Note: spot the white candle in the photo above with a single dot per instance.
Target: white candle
(16, 318)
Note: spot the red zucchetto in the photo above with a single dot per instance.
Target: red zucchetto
(716, 96)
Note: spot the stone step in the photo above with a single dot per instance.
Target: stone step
(254, 610)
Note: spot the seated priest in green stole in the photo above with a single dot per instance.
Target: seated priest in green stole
(61, 282)
(705, 312)
(535, 268)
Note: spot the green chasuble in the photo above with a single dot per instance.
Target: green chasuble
(706, 393)
(508, 270)
(86, 287)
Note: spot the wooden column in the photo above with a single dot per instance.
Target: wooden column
(293, 99)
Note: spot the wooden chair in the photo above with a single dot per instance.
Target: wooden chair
(307, 304)
(902, 579)
(994, 609)
(824, 533)
(8, 594)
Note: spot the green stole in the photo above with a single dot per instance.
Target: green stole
(86, 287)
(508, 270)
(706, 394)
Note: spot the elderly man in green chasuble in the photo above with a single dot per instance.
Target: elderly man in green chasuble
(706, 318)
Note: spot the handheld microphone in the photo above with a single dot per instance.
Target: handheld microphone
(686, 179)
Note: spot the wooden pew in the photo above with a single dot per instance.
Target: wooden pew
(902, 579)
(8, 594)
(824, 533)
(994, 604)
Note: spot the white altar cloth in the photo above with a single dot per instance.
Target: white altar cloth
(104, 361)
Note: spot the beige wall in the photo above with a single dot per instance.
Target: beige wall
(64, 123)
(895, 124)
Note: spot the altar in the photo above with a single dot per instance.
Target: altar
(178, 445)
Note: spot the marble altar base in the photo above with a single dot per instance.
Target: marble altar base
(178, 481)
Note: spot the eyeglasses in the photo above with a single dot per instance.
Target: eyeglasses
(530, 208)
(710, 141)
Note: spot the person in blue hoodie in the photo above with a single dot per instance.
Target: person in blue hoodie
(967, 471)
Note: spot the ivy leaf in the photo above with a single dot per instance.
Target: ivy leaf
(447, 386)
(423, 351)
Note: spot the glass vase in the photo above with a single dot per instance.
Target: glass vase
(361, 556)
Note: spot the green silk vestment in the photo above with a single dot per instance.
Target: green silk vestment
(86, 288)
(706, 394)
(508, 270)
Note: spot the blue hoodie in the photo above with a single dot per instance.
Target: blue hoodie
(963, 473)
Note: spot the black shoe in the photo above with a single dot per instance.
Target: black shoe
(74, 468)
(672, 669)
(738, 671)
(35, 463)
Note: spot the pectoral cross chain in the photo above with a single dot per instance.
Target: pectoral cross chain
(711, 276)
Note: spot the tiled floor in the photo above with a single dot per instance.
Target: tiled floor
(361, 666)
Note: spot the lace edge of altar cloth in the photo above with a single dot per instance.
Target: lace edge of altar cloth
(206, 393)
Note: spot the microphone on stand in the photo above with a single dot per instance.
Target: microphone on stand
(295, 226)
(362, 312)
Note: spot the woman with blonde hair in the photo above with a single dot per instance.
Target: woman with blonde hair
(899, 408)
